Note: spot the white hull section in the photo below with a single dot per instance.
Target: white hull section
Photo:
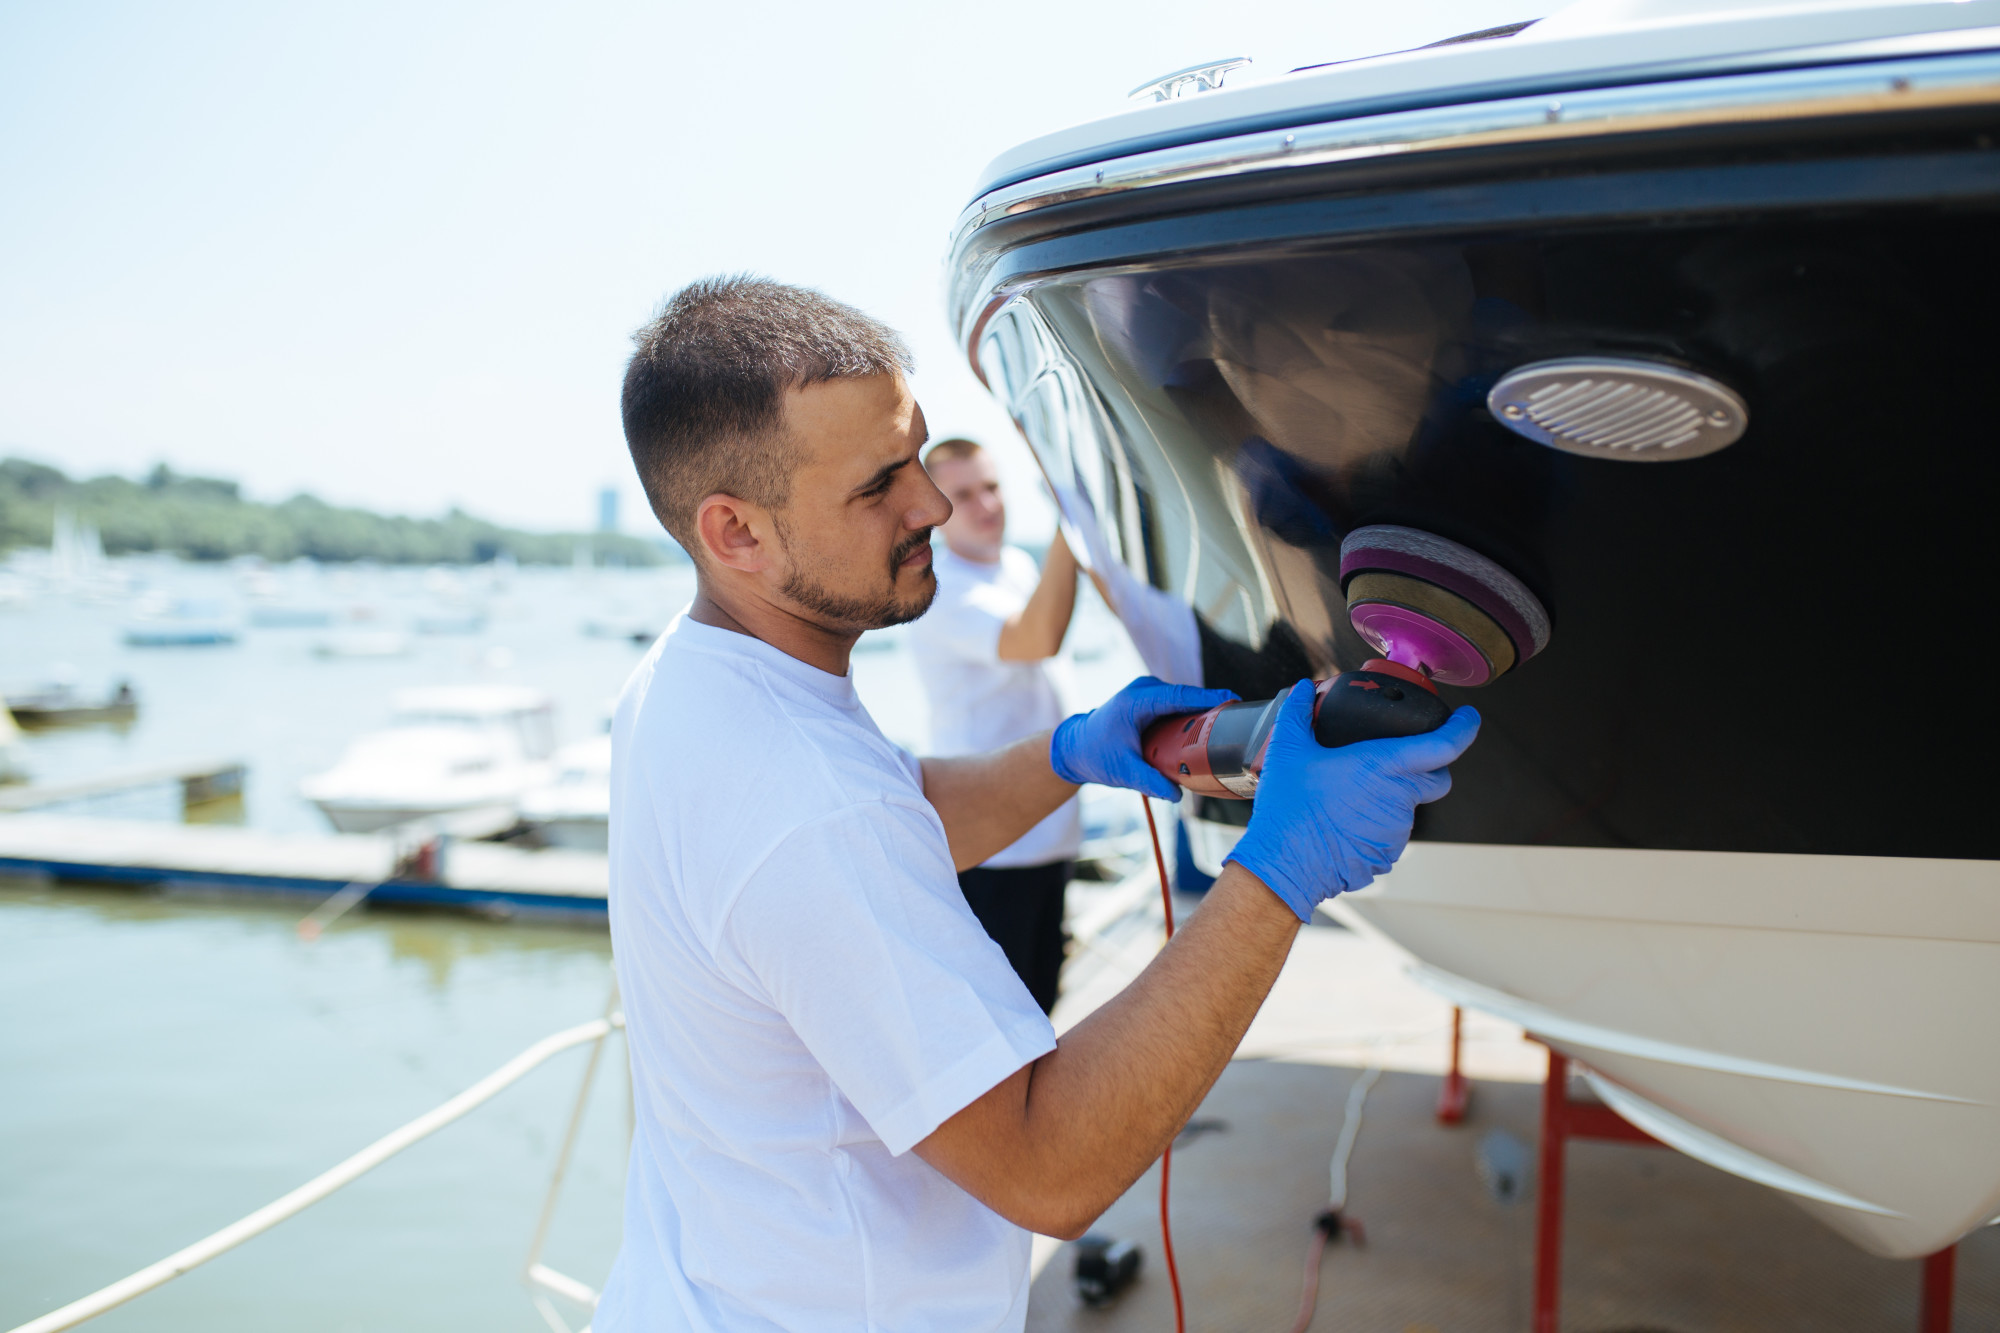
(575, 810)
(580, 833)
(1820, 1024)
(361, 818)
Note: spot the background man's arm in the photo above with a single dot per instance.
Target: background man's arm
(987, 801)
(1037, 632)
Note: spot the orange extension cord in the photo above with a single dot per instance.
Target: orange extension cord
(1167, 1157)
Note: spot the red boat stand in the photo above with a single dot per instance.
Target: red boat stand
(1453, 1096)
(1563, 1120)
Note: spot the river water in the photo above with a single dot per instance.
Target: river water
(171, 1063)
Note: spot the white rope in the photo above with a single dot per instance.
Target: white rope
(335, 907)
(1350, 1128)
(533, 1271)
(171, 1267)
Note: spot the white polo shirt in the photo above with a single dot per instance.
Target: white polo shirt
(978, 702)
(806, 996)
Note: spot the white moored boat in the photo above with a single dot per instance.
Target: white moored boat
(471, 750)
(574, 809)
(1679, 312)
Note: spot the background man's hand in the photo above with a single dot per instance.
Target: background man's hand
(1103, 745)
(1327, 821)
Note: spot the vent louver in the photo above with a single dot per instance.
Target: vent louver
(1635, 411)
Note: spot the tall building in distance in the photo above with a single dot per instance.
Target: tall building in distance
(607, 509)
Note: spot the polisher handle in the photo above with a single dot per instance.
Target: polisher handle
(1372, 704)
(1221, 752)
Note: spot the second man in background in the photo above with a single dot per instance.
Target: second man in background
(983, 652)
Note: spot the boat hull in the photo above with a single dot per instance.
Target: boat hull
(1798, 1020)
(1728, 840)
(368, 818)
(583, 833)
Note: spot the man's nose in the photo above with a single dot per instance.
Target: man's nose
(932, 509)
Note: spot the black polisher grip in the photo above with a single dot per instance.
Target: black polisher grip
(1371, 706)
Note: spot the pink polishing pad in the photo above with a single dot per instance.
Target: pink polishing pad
(1414, 639)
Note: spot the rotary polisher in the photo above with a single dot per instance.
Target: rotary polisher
(1434, 610)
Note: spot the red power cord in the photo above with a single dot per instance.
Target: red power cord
(1167, 1157)
(1309, 1297)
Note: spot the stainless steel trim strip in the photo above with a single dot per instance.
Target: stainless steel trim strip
(1874, 87)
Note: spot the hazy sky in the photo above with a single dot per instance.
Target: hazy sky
(393, 253)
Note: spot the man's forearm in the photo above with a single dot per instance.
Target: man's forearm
(987, 801)
(1057, 1143)
(1037, 633)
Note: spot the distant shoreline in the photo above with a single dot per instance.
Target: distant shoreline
(207, 519)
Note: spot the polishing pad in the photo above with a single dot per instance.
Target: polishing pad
(1392, 603)
(1427, 602)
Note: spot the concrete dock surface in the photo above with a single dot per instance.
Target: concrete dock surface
(1656, 1242)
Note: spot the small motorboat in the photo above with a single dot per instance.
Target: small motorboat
(1677, 313)
(61, 706)
(185, 623)
(179, 634)
(574, 810)
(451, 622)
(471, 750)
(363, 644)
(289, 615)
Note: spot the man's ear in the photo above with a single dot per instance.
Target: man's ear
(735, 533)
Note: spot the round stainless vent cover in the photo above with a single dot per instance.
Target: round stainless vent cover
(1610, 407)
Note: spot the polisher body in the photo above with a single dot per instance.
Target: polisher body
(1221, 752)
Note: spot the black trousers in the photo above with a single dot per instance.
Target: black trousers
(1022, 909)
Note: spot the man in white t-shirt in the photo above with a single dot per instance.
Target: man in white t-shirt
(982, 652)
(849, 1111)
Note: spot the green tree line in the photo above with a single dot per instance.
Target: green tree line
(202, 518)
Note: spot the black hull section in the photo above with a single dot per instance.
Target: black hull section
(1780, 647)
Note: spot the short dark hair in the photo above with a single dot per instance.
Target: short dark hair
(945, 451)
(704, 392)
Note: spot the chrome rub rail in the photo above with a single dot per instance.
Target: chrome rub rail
(1878, 86)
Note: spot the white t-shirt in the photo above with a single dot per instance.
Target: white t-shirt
(807, 996)
(978, 702)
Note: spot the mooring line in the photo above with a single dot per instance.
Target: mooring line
(221, 1242)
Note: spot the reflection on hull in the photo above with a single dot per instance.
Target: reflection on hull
(1727, 840)
(1721, 624)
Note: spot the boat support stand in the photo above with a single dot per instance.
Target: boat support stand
(1563, 1120)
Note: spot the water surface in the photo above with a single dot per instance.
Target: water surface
(173, 1064)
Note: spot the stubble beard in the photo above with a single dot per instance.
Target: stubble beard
(860, 613)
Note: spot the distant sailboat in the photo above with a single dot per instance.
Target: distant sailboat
(76, 558)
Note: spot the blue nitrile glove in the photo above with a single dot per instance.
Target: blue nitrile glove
(1103, 744)
(1327, 821)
